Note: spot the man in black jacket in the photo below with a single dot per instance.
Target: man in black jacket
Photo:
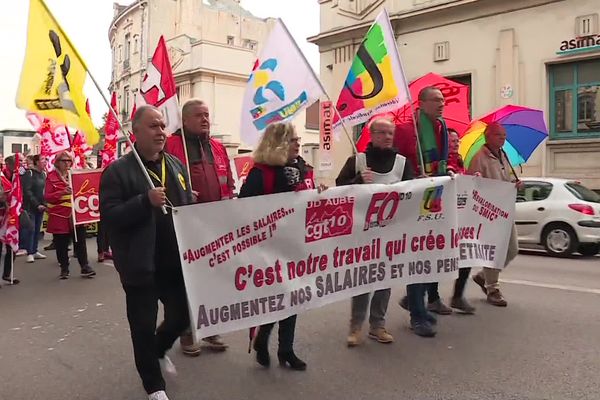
(144, 245)
(380, 163)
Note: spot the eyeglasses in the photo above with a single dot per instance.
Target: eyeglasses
(66, 161)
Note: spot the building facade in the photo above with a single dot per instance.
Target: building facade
(19, 141)
(212, 46)
(543, 54)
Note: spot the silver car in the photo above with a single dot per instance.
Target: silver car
(560, 214)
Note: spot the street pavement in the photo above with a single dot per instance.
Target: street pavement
(70, 340)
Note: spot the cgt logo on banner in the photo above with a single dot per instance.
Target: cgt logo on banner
(86, 200)
(329, 218)
(262, 259)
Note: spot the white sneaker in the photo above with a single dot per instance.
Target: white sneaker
(39, 256)
(160, 395)
(21, 252)
(30, 258)
(167, 366)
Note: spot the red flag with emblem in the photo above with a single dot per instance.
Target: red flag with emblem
(158, 88)
(111, 129)
(9, 229)
(81, 150)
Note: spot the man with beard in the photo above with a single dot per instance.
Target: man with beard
(380, 163)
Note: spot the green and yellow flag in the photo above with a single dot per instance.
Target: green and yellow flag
(53, 74)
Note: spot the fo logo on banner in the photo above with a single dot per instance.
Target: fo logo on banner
(431, 206)
(329, 218)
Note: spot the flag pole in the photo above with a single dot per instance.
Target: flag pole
(127, 136)
(320, 84)
(410, 101)
(185, 151)
(73, 208)
(12, 266)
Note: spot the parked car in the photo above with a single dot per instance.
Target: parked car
(560, 214)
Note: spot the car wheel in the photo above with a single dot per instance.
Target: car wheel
(589, 249)
(559, 240)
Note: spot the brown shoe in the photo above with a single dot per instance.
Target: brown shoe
(463, 305)
(439, 307)
(215, 343)
(381, 335)
(480, 281)
(188, 347)
(354, 338)
(496, 299)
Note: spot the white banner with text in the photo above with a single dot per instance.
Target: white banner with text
(249, 261)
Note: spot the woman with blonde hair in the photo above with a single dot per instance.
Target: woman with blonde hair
(278, 168)
(58, 194)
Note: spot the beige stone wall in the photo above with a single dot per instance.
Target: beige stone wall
(498, 42)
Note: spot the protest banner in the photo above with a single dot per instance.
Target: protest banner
(86, 190)
(482, 206)
(259, 260)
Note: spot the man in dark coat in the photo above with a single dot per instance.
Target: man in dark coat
(144, 245)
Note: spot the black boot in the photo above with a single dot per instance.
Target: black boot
(289, 358)
(261, 346)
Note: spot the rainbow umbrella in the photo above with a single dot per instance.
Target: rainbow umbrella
(525, 130)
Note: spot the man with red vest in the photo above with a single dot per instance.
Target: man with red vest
(208, 161)
(210, 175)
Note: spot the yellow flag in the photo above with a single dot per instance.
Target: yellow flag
(53, 74)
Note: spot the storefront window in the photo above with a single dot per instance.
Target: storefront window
(572, 119)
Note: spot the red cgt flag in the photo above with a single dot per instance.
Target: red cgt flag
(81, 150)
(158, 88)
(111, 129)
(9, 229)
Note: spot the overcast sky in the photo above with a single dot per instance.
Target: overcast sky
(87, 21)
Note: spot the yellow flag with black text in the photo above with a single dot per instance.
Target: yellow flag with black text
(53, 74)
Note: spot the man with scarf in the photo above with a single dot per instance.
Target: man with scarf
(433, 155)
(211, 179)
(380, 163)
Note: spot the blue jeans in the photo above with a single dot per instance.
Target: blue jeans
(31, 237)
(416, 301)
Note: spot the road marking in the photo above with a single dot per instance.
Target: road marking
(552, 286)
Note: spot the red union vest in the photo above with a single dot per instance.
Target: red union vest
(268, 174)
(174, 146)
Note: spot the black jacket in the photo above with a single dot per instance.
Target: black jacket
(380, 161)
(130, 219)
(34, 184)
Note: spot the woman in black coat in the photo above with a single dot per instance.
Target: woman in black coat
(278, 168)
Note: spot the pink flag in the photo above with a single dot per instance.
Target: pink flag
(9, 229)
(54, 137)
(158, 88)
